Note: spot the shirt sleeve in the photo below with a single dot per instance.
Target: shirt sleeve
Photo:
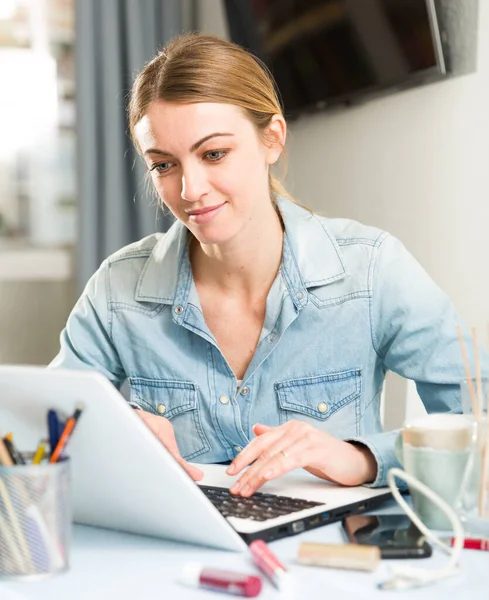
(86, 341)
(414, 333)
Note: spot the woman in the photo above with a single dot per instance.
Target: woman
(254, 331)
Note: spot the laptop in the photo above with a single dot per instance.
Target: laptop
(123, 477)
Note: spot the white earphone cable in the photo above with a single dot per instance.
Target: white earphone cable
(406, 577)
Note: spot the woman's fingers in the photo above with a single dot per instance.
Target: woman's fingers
(254, 450)
(259, 429)
(274, 455)
(163, 430)
(281, 461)
(195, 474)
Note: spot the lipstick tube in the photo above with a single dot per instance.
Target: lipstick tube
(471, 544)
(266, 561)
(238, 584)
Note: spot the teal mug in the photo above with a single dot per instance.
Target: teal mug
(435, 449)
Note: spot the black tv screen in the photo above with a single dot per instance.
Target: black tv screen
(326, 52)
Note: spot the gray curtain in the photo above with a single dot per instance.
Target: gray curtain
(114, 39)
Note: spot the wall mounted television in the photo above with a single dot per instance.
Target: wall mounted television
(323, 53)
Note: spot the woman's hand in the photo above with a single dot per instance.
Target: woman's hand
(163, 430)
(277, 450)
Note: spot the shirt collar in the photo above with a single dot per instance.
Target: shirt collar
(311, 256)
(313, 247)
(159, 277)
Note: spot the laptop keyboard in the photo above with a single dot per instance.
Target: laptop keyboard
(258, 507)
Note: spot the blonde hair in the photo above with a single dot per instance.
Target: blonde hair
(204, 68)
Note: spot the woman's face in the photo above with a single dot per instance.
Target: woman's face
(209, 165)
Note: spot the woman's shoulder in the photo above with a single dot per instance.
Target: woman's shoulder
(140, 249)
(366, 245)
(142, 270)
(122, 270)
(344, 231)
(348, 231)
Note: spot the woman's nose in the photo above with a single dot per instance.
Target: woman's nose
(194, 184)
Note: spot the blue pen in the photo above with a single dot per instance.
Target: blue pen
(55, 428)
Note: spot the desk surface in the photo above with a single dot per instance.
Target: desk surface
(117, 566)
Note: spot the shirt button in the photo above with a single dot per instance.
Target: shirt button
(223, 399)
(299, 295)
(272, 338)
(322, 407)
(238, 448)
(161, 409)
(179, 309)
(245, 391)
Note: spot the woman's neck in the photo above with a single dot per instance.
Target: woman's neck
(245, 266)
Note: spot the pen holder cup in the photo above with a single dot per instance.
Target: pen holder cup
(35, 519)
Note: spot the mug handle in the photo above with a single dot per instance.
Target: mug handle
(399, 448)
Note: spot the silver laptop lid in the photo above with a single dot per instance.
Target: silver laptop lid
(122, 476)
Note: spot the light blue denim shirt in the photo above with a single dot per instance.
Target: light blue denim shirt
(348, 304)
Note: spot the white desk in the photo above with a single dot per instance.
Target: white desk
(108, 565)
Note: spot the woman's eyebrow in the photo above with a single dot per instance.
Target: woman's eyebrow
(193, 148)
(204, 139)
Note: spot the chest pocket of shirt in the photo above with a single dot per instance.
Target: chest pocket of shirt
(329, 402)
(177, 401)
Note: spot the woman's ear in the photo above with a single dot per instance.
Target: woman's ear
(275, 135)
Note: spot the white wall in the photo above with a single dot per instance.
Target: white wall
(415, 163)
(211, 18)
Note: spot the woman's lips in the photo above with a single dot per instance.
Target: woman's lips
(204, 215)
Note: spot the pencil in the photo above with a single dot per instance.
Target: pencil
(5, 458)
(11, 544)
(65, 436)
(16, 526)
(12, 450)
(39, 455)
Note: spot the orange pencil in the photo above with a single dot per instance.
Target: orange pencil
(65, 436)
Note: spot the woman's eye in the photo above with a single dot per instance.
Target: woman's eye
(215, 155)
(161, 167)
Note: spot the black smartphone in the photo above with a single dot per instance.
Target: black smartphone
(395, 535)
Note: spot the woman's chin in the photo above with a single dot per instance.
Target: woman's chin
(213, 234)
(207, 239)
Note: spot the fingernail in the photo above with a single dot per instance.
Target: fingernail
(230, 470)
(269, 474)
(246, 490)
(236, 487)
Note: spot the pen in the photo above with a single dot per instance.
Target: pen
(267, 562)
(15, 524)
(12, 450)
(471, 543)
(56, 559)
(53, 429)
(40, 451)
(9, 563)
(5, 458)
(65, 436)
(11, 544)
(33, 534)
